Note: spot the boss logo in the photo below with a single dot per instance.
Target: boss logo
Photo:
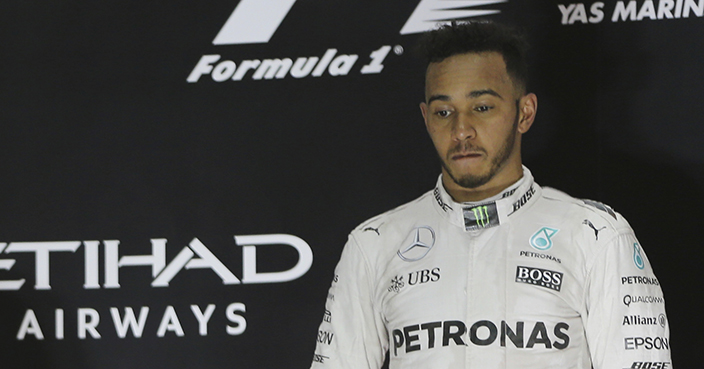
(539, 277)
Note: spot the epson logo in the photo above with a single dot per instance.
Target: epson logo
(193, 256)
(482, 333)
(325, 337)
(646, 343)
(539, 277)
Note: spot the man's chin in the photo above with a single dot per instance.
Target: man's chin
(471, 181)
(468, 177)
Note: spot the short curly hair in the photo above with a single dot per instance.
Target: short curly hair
(477, 37)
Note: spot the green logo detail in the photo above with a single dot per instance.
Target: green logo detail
(481, 215)
(637, 257)
(542, 239)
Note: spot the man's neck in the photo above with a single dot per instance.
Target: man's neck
(494, 187)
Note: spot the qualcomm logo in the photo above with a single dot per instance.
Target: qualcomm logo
(255, 21)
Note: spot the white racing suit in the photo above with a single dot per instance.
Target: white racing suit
(531, 278)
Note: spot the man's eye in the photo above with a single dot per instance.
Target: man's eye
(443, 113)
(482, 108)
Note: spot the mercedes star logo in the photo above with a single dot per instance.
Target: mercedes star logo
(423, 240)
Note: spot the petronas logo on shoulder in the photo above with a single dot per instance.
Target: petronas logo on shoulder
(637, 257)
(542, 239)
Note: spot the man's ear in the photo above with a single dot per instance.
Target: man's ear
(528, 106)
(424, 111)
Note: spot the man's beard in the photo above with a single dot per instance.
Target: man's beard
(473, 181)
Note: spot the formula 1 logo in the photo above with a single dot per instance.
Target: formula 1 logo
(430, 13)
(255, 21)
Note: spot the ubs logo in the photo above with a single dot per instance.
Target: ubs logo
(415, 278)
(423, 276)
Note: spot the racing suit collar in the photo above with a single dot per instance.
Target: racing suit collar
(491, 212)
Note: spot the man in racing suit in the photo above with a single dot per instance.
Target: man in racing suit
(489, 270)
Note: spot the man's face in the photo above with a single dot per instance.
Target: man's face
(475, 115)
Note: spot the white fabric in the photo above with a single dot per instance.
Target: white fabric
(488, 298)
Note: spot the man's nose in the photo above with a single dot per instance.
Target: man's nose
(463, 128)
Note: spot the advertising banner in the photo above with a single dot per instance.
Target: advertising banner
(179, 177)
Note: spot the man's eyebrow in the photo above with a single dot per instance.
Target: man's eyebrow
(472, 95)
(438, 97)
(478, 93)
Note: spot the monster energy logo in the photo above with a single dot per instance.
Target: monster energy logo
(481, 216)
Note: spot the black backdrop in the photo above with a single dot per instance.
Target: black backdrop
(107, 145)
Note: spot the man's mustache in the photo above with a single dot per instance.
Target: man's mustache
(464, 148)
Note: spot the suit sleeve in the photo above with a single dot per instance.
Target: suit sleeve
(352, 334)
(626, 324)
